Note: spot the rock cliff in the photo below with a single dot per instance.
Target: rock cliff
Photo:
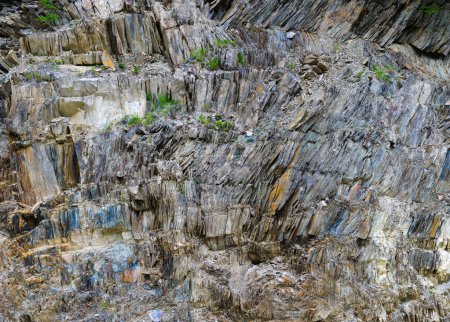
(224, 160)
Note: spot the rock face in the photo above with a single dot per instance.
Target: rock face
(194, 160)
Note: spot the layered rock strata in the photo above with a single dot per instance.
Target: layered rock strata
(244, 160)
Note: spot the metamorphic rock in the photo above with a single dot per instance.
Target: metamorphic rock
(225, 160)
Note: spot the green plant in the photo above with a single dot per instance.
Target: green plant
(223, 125)
(199, 55)
(165, 101)
(360, 74)
(104, 305)
(28, 75)
(134, 120)
(381, 74)
(149, 118)
(206, 107)
(136, 69)
(182, 189)
(47, 4)
(241, 58)
(431, 9)
(108, 127)
(224, 42)
(391, 68)
(197, 180)
(55, 61)
(148, 97)
(95, 71)
(163, 105)
(213, 63)
(335, 47)
(291, 66)
(205, 120)
(50, 18)
(122, 65)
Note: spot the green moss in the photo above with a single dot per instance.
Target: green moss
(122, 65)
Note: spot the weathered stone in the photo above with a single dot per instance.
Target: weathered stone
(174, 190)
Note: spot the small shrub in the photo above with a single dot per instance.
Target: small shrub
(108, 127)
(223, 42)
(335, 47)
(55, 61)
(213, 63)
(95, 71)
(223, 125)
(431, 9)
(164, 105)
(134, 120)
(48, 5)
(136, 69)
(360, 74)
(165, 101)
(122, 65)
(381, 74)
(148, 97)
(206, 107)
(241, 58)
(199, 55)
(28, 75)
(205, 120)
(291, 66)
(50, 19)
(391, 68)
(149, 118)
(182, 189)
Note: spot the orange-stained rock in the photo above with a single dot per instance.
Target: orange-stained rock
(108, 61)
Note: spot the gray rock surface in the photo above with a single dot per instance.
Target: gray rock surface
(225, 161)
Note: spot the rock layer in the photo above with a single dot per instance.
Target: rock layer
(261, 160)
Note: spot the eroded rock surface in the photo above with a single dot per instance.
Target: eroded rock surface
(225, 161)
